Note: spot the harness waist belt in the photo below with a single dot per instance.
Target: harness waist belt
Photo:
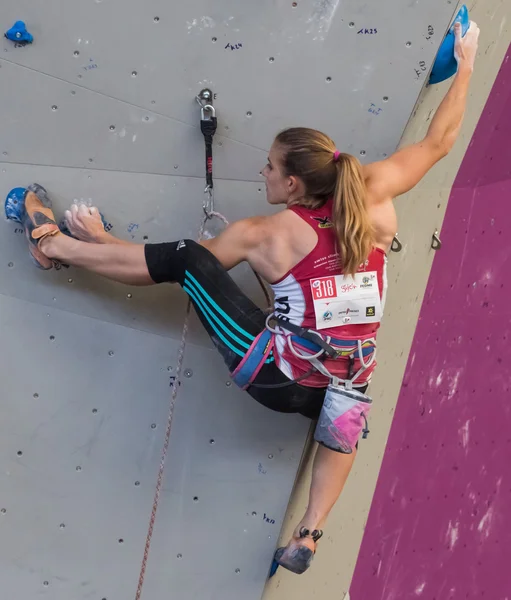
(261, 348)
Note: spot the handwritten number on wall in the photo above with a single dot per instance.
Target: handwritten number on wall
(374, 109)
(420, 71)
(91, 65)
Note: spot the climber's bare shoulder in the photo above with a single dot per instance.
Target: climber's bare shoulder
(392, 177)
(270, 244)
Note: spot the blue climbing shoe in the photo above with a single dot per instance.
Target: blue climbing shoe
(19, 33)
(446, 64)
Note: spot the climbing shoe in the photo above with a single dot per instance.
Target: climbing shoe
(32, 208)
(299, 559)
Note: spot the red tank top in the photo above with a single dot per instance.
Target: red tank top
(293, 298)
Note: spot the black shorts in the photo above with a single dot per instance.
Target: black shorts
(231, 319)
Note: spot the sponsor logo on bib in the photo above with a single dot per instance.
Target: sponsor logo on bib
(367, 281)
(349, 311)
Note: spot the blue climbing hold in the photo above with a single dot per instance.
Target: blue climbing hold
(15, 201)
(15, 204)
(19, 33)
(446, 64)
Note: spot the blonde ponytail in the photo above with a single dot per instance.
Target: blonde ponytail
(351, 221)
(326, 173)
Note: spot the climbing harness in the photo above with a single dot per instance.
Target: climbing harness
(325, 347)
(255, 357)
(299, 340)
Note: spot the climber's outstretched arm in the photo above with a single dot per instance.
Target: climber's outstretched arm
(405, 168)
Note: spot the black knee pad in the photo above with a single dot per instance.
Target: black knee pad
(168, 262)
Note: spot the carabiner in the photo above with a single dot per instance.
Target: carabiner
(211, 109)
(208, 204)
(205, 101)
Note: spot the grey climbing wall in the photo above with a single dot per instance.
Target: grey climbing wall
(101, 107)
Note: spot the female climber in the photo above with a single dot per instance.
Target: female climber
(324, 256)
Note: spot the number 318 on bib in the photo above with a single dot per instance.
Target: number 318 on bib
(323, 288)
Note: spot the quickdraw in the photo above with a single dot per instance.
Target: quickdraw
(208, 125)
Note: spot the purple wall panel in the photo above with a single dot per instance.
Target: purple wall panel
(440, 523)
(488, 158)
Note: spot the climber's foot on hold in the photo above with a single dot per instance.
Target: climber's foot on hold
(298, 554)
(39, 223)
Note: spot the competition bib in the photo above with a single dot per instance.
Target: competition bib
(346, 300)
